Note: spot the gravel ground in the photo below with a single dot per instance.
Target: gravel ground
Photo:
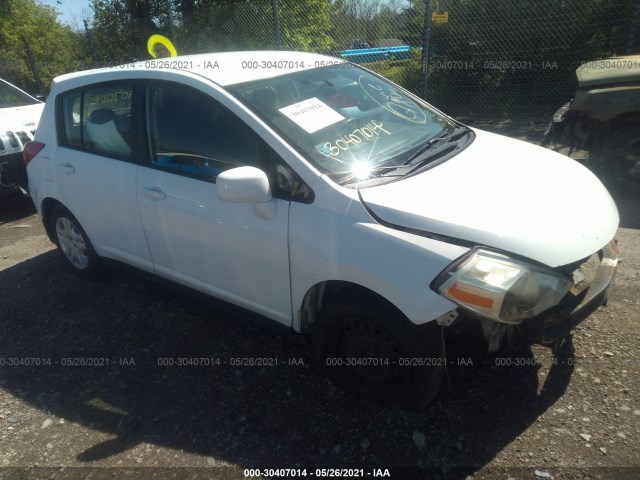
(520, 416)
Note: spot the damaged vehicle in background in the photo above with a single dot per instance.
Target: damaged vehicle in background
(604, 120)
(19, 117)
(326, 200)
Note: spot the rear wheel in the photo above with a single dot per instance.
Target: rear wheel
(73, 243)
(369, 348)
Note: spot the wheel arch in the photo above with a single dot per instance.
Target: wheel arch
(321, 292)
(47, 206)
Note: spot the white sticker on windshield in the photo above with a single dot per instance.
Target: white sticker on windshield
(312, 114)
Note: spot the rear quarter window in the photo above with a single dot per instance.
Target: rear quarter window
(71, 118)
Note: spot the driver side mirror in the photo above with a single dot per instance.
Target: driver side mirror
(247, 185)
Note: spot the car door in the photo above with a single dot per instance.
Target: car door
(96, 171)
(224, 249)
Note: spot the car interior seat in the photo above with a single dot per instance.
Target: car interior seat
(102, 134)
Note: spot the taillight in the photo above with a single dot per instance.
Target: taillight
(31, 149)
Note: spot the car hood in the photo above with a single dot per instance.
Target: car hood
(507, 194)
(24, 118)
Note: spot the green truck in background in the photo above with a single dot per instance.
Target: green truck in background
(603, 119)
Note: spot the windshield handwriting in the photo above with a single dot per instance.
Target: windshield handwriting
(393, 101)
(353, 139)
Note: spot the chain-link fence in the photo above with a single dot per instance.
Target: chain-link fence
(465, 56)
(498, 56)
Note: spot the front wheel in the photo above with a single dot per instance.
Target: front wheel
(369, 348)
(73, 243)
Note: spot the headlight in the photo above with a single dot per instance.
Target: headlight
(502, 288)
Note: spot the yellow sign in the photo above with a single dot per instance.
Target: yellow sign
(160, 47)
(440, 17)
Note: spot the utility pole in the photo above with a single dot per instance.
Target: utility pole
(92, 46)
(425, 47)
(276, 23)
(632, 42)
(32, 63)
(172, 28)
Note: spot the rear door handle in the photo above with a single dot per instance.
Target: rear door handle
(67, 168)
(155, 192)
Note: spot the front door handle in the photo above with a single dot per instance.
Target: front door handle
(155, 192)
(67, 168)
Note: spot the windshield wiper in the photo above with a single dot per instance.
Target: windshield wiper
(374, 173)
(438, 146)
(427, 153)
(424, 148)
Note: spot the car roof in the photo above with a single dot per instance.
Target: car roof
(224, 68)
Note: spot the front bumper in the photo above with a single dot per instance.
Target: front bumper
(13, 174)
(550, 327)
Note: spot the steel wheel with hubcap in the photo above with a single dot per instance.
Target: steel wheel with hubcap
(369, 348)
(73, 243)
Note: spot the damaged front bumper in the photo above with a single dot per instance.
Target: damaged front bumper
(582, 301)
(560, 323)
(13, 174)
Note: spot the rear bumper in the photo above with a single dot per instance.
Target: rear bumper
(551, 327)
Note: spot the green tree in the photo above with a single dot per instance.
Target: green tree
(121, 27)
(35, 46)
(369, 20)
(305, 25)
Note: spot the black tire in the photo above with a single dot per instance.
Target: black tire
(619, 168)
(73, 244)
(361, 327)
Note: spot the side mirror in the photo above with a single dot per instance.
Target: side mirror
(243, 185)
(247, 185)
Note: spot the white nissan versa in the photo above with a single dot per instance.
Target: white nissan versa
(321, 196)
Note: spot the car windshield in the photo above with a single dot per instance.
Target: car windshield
(10, 96)
(351, 124)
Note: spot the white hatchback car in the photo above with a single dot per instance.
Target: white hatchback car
(326, 199)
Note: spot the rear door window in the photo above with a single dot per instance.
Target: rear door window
(99, 119)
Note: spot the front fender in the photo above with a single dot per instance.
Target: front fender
(348, 245)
